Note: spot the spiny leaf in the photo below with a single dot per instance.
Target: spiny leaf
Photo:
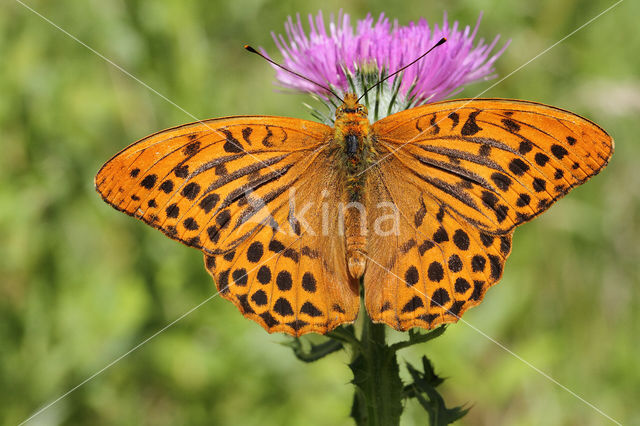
(424, 390)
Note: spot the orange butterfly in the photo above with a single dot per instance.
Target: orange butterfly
(419, 206)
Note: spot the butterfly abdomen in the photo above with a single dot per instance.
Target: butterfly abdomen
(355, 154)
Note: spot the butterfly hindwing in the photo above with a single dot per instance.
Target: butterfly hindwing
(436, 266)
(292, 278)
(224, 186)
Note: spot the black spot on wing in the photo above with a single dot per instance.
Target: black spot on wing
(172, 210)
(223, 281)
(440, 235)
(558, 174)
(309, 282)
(191, 149)
(484, 150)
(539, 185)
(435, 272)
(525, 147)
(461, 239)
(181, 171)
(284, 281)
(232, 144)
(511, 125)
(246, 132)
(191, 190)
(209, 202)
(470, 126)
(269, 320)
(420, 214)
(260, 298)
(412, 305)
(425, 246)
(310, 309)
(283, 307)
(149, 181)
(487, 240)
(411, 277)
(541, 159)
(297, 324)
(558, 151)
(266, 141)
(501, 180)
(478, 263)
(477, 290)
(166, 186)
(461, 286)
(264, 274)
(456, 307)
(190, 224)
(240, 277)
(455, 263)
(255, 252)
(440, 297)
(220, 170)
(455, 119)
(518, 167)
(276, 246)
(408, 245)
(435, 129)
(523, 200)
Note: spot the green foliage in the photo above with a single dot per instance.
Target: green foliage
(82, 284)
(424, 390)
(315, 351)
(417, 337)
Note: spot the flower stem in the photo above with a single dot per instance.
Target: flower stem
(378, 396)
(379, 391)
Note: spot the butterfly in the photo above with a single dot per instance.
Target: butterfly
(296, 217)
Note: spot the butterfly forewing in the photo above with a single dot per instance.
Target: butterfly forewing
(463, 174)
(224, 186)
(497, 162)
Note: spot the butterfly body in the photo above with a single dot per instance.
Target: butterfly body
(356, 152)
(420, 206)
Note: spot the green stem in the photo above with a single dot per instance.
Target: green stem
(379, 392)
(378, 397)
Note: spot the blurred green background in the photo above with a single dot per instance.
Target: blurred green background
(81, 284)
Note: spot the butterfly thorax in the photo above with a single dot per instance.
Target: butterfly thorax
(354, 143)
(354, 149)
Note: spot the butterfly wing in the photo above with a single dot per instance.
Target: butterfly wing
(225, 186)
(464, 174)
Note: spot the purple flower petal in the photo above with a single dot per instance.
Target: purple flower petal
(323, 55)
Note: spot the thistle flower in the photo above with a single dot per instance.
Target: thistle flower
(349, 61)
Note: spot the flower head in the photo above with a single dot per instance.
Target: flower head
(351, 60)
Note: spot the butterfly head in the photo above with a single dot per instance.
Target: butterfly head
(351, 110)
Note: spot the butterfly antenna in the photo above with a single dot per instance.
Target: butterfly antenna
(441, 41)
(252, 50)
